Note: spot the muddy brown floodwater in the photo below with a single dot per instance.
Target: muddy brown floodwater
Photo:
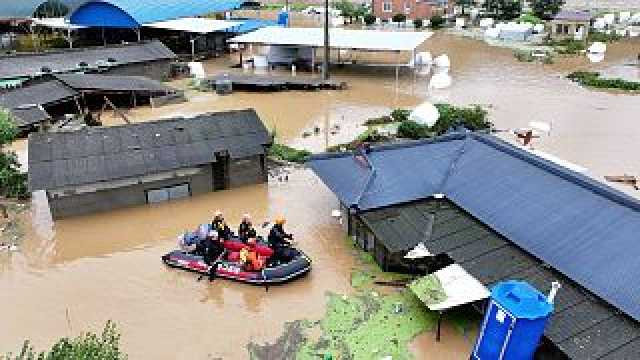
(77, 273)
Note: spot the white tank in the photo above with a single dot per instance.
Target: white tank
(440, 81)
(425, 114)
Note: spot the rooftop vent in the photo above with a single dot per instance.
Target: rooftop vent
(179, 128)
(83, 64)
(46, 70)
(135, 147)
(112, 60)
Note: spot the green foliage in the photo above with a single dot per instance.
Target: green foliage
(473, 118)
(593, 79)
(369, 19)
(529, 18)
(412, 130)
(371, 136)
(463, 4)
(347, 8)
(399, 115)
(523, 56)
(105, 346)
(567, 46)
(504, 9)
(603, 37)
(418, 23)
(546, 9)
(399, 18)
(13, 183)
(287, 153)
(382, 120)
(437, 21)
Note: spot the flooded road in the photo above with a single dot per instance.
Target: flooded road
(77, 273)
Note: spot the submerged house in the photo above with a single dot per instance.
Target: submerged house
(51, 97)
(151, 59)
(572, 25)
(102, 168)
(503, 213)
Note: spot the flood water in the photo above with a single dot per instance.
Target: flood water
(77, 273)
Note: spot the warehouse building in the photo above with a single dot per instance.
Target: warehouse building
(149, 59)
(98, 169)
(502, 213)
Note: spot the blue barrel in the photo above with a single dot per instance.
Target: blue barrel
(283, 18)
(513, 324)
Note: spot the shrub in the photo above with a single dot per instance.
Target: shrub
(592, 79)
(523, 56)
(400, 115)
(418, 23)
(105, 346)
(437, 22)
(287, 153)
(473, 118)
(13, 183)
(399, 18)
(369, 19)
(382, 120)
(412, 130)
(603, 37)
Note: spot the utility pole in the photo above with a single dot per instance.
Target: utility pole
(325, 64)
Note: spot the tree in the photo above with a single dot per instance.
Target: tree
(463, 4)
(546, 9)
(369, 19)
(504, 9)
(13, 183)
(347, 9)
(436, 21)
(418, 23)
(399, 18)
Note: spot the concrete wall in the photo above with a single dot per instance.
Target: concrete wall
(247, 171)
(102, 200)
(157, 70)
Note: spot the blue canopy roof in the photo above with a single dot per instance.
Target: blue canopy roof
(135, 13)
(583, 228)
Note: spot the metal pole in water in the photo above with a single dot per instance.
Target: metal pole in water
(325, 64)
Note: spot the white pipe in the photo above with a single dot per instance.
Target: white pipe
(555, 286)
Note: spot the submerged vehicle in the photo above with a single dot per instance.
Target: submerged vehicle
(293, 264)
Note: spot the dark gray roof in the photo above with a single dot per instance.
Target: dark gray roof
(568, 15)
(45, 93)
(31, 65)
(89, 82)
(29, 115)
(572, 222)
(25, 104)
(582, 326)
(100, 154)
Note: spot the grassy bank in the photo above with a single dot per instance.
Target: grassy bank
(593, 79)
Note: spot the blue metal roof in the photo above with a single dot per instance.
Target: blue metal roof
(582, 227)
(249, 25)
(135, 13)
(23, 9)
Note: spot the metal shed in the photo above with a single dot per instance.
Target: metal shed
(97, 169)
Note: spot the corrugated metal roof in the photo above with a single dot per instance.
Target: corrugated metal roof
(108, 153)
(25, 104)
(135, 13)
(572, 222)
(31, 65)
(86, 82)
(27, 116)
(580, 324)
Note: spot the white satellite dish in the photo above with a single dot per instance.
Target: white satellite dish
(425, 114)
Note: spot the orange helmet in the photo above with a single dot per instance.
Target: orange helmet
(280, 220)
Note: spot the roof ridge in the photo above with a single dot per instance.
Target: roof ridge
(80, 50)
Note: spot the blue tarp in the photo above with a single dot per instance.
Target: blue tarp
(135, 13)
(586, 230)
(249, 25)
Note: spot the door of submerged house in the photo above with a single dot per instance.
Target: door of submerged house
(220, 170)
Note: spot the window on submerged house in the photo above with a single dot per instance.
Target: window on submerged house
(387, 7)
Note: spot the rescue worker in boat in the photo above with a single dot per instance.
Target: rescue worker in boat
(218, 224)
(213, 249)
(279, 240)
(246, 230)
(249, 256)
